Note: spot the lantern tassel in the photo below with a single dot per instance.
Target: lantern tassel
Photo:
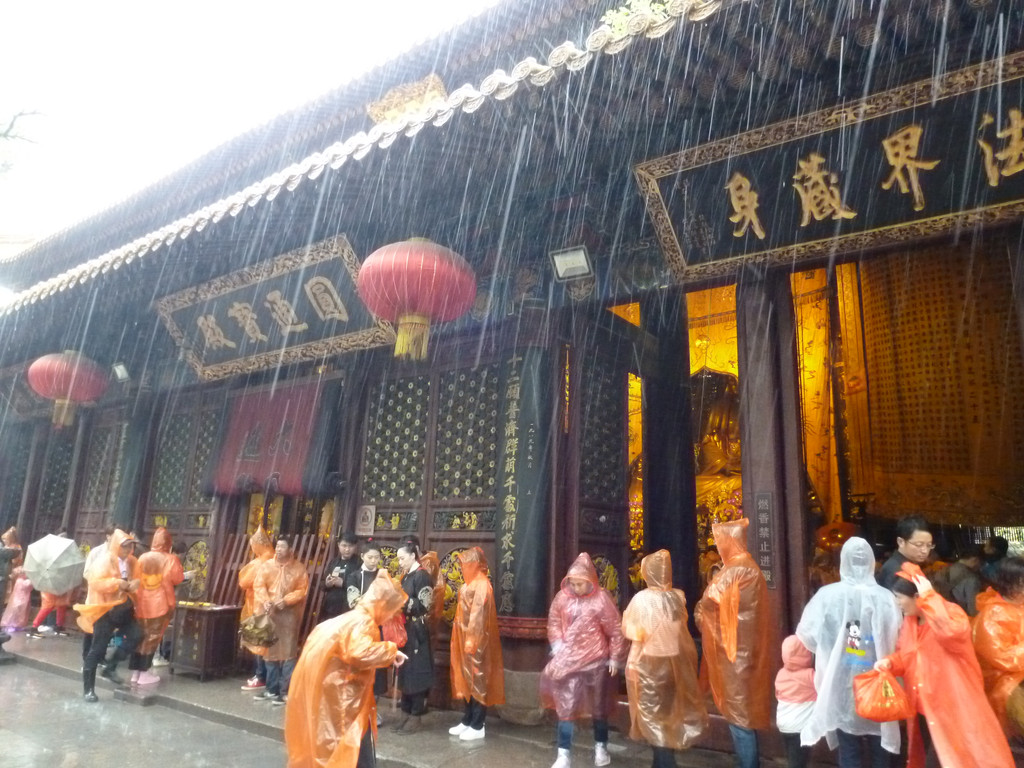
(413, 334)
(63, 413)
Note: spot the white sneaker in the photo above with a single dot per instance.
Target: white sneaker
(160, 661)
(562, 761)
(472, 734)
(457, 729)
(601, 756)
(147, 678)
(254, 684)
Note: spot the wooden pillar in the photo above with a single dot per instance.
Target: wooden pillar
(670, 494)
(769, 423)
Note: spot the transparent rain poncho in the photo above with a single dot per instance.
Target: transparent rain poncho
(734, 619)
(330, 697)
(666, 708)
(848, 626)
(585, 635)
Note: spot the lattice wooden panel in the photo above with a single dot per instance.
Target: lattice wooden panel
(17, 451)
(208, 429)
(466, 457)
(172, 460)
(56, 476)
(393, 466)
(101, 465)
(603, 454)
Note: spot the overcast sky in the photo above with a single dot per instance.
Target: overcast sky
(127, 92)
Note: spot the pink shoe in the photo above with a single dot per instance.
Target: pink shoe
(148, 678)
(135, 676)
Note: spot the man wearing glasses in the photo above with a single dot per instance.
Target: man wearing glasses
(913, 544)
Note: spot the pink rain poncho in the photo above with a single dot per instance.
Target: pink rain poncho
(848, 626)
(666, 708)
(585, 635)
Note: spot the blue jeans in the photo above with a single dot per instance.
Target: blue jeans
(259, 668)
(850, 748)
(279, 674)
(744, 741)
(566, 728)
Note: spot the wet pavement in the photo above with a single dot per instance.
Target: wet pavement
(190, 723)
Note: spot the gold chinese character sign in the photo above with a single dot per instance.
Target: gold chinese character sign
(919, 161)
(299, 306)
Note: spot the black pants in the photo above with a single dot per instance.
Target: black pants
(367, 756)
(796, 756)
(414, 703)
(663, 758)
(474, 715)
(119, 618)
(140, 661)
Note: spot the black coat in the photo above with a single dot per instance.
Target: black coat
(356, 584)
(417, 674)
(335, 600)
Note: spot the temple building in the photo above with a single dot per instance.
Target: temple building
(730, 259)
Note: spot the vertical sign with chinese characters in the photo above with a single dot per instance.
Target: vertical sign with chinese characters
(523, 514)
(509, 492)
(764, 553)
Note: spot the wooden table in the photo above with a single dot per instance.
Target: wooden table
(205, 639)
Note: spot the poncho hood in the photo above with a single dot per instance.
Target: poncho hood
(656, 570)
(260, 543)
(384, 598)
(582, 568)
(731, 538)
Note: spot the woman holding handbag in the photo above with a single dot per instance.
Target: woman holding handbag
(935, 657)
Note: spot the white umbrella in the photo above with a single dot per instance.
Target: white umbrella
(53, 564)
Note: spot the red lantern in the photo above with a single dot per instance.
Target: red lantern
(68, 378)
(414, 283)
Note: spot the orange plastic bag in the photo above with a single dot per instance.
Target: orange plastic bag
(878, 696)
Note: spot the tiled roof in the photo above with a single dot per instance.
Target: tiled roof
(499, 85)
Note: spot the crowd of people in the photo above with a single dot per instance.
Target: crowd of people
(954, 635)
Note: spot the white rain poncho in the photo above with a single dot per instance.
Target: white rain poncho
(848, 626)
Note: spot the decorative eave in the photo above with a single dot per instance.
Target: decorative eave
(499, 86)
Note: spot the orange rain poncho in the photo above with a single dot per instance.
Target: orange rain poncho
(999, 643)
(585, 634)
(432, 565)
(666, 708)
(330, 699)
(105, 587)
(160, 572)
(262, 549)
(935, 658)
(733, 620)
(285, 581)
(477, 667)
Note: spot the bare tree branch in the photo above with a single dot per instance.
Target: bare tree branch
(9, 131)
